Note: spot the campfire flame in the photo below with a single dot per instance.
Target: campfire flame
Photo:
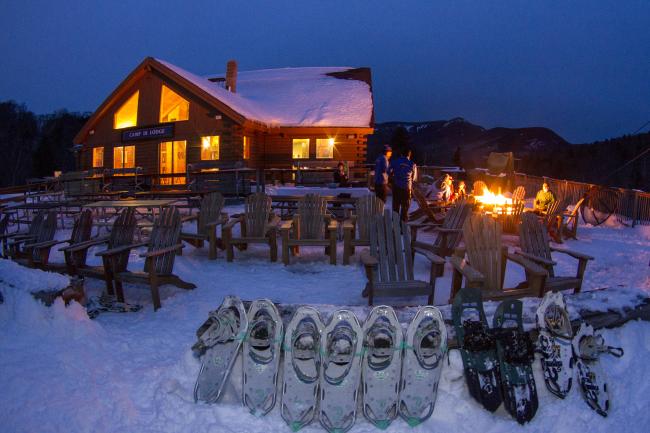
(492, 199)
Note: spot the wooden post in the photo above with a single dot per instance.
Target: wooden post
(635, 208)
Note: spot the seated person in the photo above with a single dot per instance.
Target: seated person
(447, 188)
(544, 199)
(340, 176)
(461, 193)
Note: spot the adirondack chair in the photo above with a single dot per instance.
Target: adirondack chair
(510, 217)
(534, 243)
(428, 211)
(448, 233)
(389, 261)
(28, 250)
(121, 234)
(519, 194)
(552, 219)
(569, 222)
(311, 226)
(207, 219)
(17, 237)
(258, 225)
(356, 228)
(482, 262)
(40, 255)
(162, 246)
(479, 187)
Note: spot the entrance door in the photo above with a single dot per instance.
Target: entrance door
(173, 160)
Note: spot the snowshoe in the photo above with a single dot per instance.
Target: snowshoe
(554, 343)
(516, 354)
(425, 347)
(341, 371)
(261, 358)
(587, 347)
(301, 366)
(218, 343)
(381, 366)
(477, 348)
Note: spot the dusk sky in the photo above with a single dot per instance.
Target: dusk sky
(581, 68)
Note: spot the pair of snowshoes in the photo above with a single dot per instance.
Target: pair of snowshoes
(562, 351)
(219, 340)
(497, 362)
(401, 375)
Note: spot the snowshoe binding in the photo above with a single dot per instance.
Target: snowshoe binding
(554, 343)
(425, 348)
(587, 347)
(301, 366)
(516, 354)
(261, 350)
(219, 339)
(381, 366)
(341, 371)
(477, 348)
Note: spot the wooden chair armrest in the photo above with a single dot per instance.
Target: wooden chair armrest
(459, 252)
(421, 225)
(44, 244)
(232, 223)
(348, 224)
(85, 245)
(332, 224)
(218, 222)
(187, 218)
(433, 258)
(286, 225)
(118, 250)
(367, 259)
(536, 259)
(530, 266)
(162, 251)
(446, 230)
(574, 254)
(472, 275)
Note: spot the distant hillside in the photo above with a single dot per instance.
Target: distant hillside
(538, 150)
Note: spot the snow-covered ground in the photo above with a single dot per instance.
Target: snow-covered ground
(62, 372)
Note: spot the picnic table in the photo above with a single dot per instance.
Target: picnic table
(104, 217)
(337, 206)
(29, 208)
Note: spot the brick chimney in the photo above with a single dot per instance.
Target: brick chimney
(231, 76)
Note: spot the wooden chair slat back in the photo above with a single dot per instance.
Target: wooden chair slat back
(82, 228)
(48, 227)
(519, 194)
(312, 209)
(482, 236)
(123, 229)
(365, 209)
(390, 243)
(4, 224)
(211, 207)
(256, 214)
(454, 219)
(165, 233)
(511, 217)
(576, 209)
(37, 222)
(478, 187)
(533, 238)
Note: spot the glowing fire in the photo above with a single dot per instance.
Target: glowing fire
(496, 201)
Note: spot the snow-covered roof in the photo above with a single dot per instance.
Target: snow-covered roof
(292, 96)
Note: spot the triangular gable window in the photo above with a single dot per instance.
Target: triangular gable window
(127, 115)
(173, 107)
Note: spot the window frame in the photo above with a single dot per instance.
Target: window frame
(246, 147)
(329, 142)
(98, 149)
(123, 157)
(160, 114)
(203, 148)
(293, 147)
(135, 95)
(172, 177)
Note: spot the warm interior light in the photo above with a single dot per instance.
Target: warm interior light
(497, 201)
(331, 142)
(127, 115)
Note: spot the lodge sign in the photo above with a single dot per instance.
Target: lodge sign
(149, 133)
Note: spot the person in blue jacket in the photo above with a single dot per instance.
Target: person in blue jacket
(381, 173)
(403, 172)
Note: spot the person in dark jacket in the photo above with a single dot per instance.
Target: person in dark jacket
(381, 173)
(403, 172)
(340, 176)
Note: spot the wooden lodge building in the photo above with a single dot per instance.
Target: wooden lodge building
(163, 121)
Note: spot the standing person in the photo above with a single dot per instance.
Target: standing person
(381, 173)
(404, 172)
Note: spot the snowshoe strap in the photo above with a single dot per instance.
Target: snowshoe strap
(615, 351)
(517, 346)
(477, 337)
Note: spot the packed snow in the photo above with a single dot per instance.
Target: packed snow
(135, 372)
(292, 96)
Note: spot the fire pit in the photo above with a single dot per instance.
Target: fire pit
(490, 202)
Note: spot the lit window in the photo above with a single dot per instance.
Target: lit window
(124, 157)
(247, 148)
(324, 148)
(300, 148)
(173, 107)
(210, 148)
(98, 157)
(173, 159)
(127, 115)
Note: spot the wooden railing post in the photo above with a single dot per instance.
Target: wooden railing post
(635, 208)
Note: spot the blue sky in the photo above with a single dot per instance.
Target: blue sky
(581, 68)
